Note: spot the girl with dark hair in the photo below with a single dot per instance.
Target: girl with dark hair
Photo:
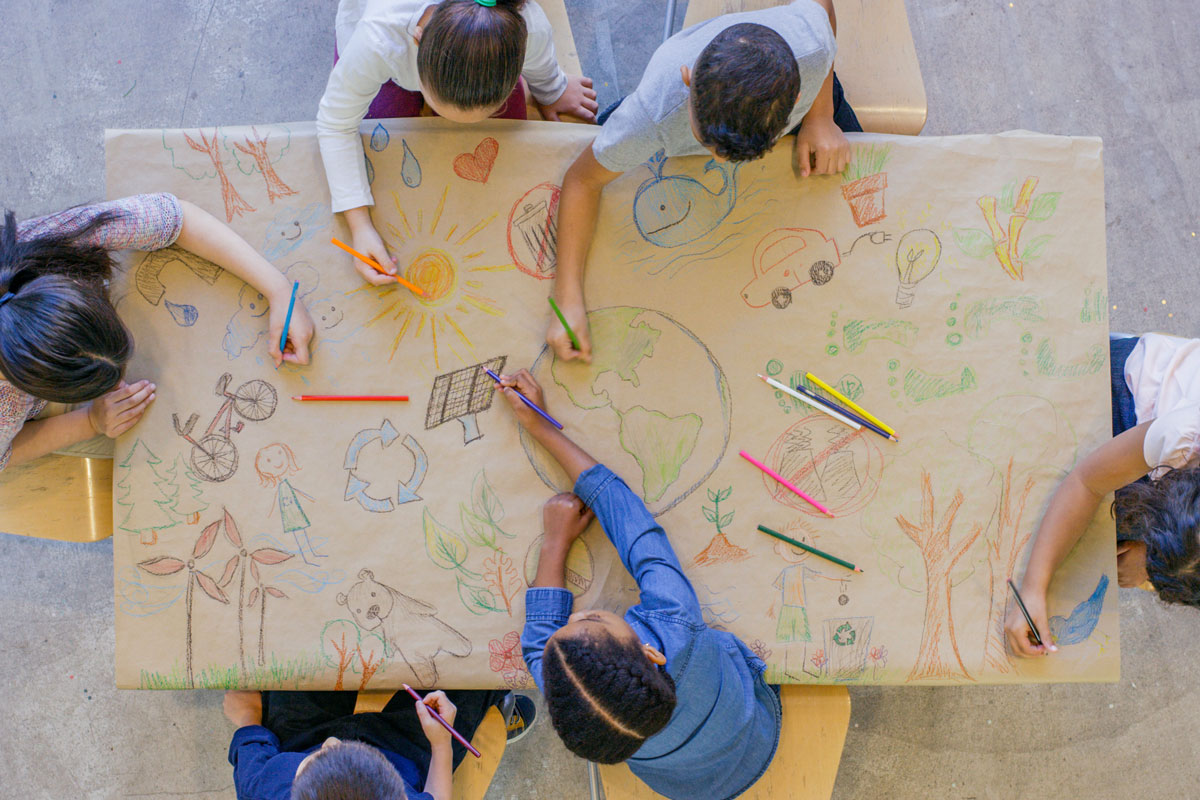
(61, 340)
(1152, 463)
(464, 59)
(684, 705)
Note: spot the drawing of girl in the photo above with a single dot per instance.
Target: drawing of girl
(273, 463)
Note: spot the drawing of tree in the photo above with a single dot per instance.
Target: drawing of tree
(252, 154)
(1003, 550)
(148, 513)
(234, 204)
(342, 641)
(188, 497)
(344, 659)
(168, 565)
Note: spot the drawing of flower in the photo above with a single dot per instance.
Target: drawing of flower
(819, 660)
(760, 649)
(504, 656)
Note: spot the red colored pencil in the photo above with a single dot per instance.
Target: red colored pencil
(366, 398)
(445, 724)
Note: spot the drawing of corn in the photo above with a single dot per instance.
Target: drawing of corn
(1007, 244)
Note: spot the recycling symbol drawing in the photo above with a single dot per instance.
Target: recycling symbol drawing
(844, 635)
(406, 490)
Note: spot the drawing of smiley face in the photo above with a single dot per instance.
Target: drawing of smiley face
(272, 460)
(292, 227)
(327, 315)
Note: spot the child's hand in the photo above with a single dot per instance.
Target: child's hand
(1020, 639)
(300, 330)
(821, 148)
(367, 241)
(578, 100)
(119, 410)
(558, 338)
(565, 518)
(243, 708)
(434, 732)
(523, 383)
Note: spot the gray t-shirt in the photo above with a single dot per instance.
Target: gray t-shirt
(656, 116)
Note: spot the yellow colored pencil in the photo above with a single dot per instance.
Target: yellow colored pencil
(853, 405)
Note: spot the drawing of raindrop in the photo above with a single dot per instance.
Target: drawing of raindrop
(774, 367)
(410, 170)
(370, 170)
(954, 339)
(185, 315)
(380, 138)
(832, 349)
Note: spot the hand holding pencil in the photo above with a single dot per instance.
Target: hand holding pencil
(568, 334)
(523, 384)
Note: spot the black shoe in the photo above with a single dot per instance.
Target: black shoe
(519, 715)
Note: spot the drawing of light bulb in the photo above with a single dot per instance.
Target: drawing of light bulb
(916, 256)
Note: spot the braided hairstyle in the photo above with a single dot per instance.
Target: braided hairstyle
(1164, 514)
(744, 86)
(604, 696)
(349, 771)
(60, 337)
(471, 55)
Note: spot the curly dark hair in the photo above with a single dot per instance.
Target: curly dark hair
(604, 696)
(471, 55)
(60, 337)
(349, 771)
(1165, 515)
(744, 86)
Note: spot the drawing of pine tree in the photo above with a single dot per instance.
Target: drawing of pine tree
(146, 515)
(188, 499)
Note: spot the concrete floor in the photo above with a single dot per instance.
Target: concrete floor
(1123, 70)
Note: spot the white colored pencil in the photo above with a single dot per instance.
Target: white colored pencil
(783, 387)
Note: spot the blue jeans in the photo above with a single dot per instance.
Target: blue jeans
(1124, 413)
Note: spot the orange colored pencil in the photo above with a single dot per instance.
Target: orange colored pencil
(375, 264)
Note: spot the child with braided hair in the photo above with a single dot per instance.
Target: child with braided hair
(684, 705)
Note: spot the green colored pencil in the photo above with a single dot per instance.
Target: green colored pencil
(812, 550)
(563, 320)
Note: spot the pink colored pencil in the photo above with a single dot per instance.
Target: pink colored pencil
(445, 724)
(785, 484)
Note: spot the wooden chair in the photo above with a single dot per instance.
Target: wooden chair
(474, 775)
(58, 497)
(876, 59)
(815, 719)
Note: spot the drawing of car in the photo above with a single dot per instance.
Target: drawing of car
(786, 259)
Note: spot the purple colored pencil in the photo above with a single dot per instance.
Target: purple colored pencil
(470, 748)
(527, 401)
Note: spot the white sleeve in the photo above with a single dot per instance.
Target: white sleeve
(353, 84)
(546, 79)
(1172, 440)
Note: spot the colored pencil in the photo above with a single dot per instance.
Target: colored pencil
(287, 321)
(847, 413)
(446, 725)
(808, 548)
(783, 387)
(366, 398)
(558, 313)
(417, 290)
(527, 401)
(1037, 637)
(853, 405)
(785, 484)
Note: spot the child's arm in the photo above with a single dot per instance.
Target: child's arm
(253, 746)
(208, 237)
(1114, 464)
(578, 208)
(820, 145)
(554, 92)
(440, 779)
(111, 415)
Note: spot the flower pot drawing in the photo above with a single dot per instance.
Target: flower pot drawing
(865, 197)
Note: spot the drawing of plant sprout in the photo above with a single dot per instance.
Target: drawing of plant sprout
(1003, 242)
(864, 182)
(169, 565)
(720, 550)
(878, 656)
(334, 636)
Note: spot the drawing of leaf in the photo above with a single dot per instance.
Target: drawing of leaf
(1044, 206)
(710, 514)
(1033, 248)
(714, 496)
(724, 493)
(208, 537)
(269, 555)
(1006, 197)
(210, 588)
(726, 519)
(163, 565)
(253, 597)
(271, 590)
(230, 568)
(478, 531)
(254, 571)
(476, 599)
(445, 548)
(231, 531)
(973, 242)
(484, 499)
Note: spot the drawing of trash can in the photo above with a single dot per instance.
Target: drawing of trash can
(533, 231)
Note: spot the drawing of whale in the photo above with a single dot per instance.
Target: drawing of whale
(675, 209)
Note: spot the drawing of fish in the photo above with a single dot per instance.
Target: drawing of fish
(1079, 626)
(674, 209)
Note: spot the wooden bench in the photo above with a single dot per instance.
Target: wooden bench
(815, 720)
(876, 59)
(58, 497)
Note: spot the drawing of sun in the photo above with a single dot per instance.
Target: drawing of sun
(441, 261)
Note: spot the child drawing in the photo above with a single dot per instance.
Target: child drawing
(792, 624)
(273, 463)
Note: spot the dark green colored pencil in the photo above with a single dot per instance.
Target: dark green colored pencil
(563, 320)
(810, 549)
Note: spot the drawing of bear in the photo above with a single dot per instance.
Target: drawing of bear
(410, 627)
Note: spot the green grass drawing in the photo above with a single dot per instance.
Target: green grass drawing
(867, 160)
(979, 317)
(920, 386)
(1049, 366)
(857, 332)
(299, 672)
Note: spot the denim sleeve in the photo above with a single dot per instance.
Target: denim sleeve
(546, 610)
(250, 752)
(642, 545)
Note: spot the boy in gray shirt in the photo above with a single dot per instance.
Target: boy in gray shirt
(730, 87)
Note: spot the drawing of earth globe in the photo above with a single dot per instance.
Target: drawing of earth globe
(654, 405)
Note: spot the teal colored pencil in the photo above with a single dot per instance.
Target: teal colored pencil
(563, 320)
(287, 321)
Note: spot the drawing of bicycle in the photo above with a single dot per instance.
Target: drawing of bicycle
(215, 457)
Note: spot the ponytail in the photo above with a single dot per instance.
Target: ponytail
(471, 54)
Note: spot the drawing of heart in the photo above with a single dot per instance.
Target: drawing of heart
(477, 166)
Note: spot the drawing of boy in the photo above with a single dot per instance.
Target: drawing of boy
(272, 463)
(792, 624)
